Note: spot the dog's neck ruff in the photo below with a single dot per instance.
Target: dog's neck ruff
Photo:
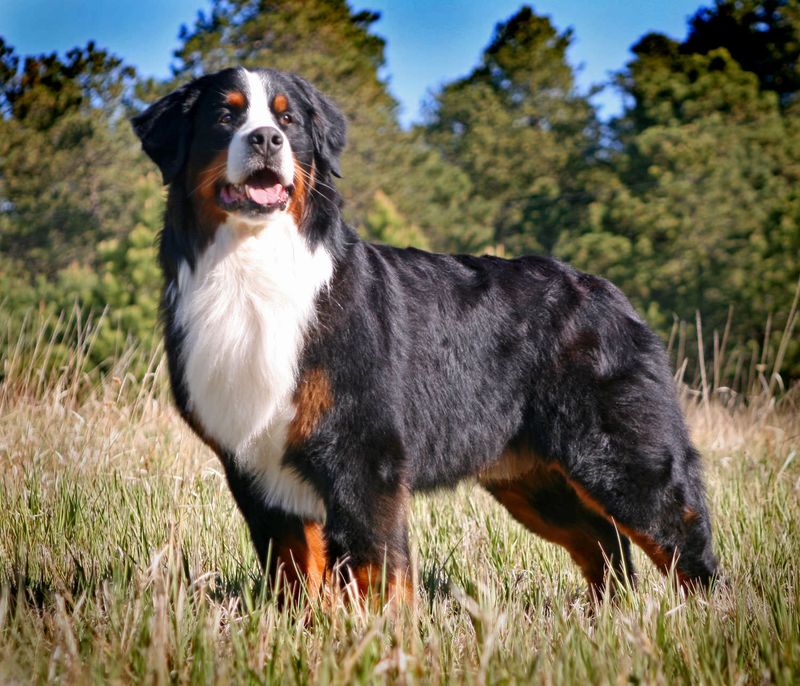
(243, 312)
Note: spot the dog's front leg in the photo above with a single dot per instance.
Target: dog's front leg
(290, 549)
(367, 536)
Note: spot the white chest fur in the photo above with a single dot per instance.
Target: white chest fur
(244, 311)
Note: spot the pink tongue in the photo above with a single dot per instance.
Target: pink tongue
(266, 196)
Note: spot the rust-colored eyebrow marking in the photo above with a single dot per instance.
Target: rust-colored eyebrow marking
(280, 103)
(235, 99)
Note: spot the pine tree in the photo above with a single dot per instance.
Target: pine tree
(701, 210)
(763, 36)
(522, 134)
(384, 224)
(68, 160)
(80, 207)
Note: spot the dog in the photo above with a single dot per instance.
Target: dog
(335, 378)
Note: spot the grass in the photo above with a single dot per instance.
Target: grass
(123, 559)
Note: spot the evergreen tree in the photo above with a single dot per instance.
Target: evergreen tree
(522, 134)
(68, 160)
(80, 207)
(690, 202)
(384, 224)
(763, 36)
(701, 211)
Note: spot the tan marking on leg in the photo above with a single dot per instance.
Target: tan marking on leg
(368, 582)
(316, 558)
(303, 561)
(583, 494)
(512, 465)
(584, 549)
(660, 557)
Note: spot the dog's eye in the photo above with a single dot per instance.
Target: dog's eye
(286, 118)
(225, 118)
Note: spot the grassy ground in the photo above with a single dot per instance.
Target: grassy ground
(122, 558)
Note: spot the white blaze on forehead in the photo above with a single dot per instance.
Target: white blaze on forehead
(259, 115)
(258, 111)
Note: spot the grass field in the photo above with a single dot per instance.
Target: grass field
(122, 558)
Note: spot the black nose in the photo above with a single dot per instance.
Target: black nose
(266, 140)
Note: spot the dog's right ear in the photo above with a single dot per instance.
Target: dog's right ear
(165, 128)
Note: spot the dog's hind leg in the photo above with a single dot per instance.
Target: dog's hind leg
(544, 502)
(659, 504)
(606, 412)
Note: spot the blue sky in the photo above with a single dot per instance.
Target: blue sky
(428, 43)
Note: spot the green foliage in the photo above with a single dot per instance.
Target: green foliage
(384, 224)
(520, 132)
(689, 201)
(47, 87)
(68, 159)
(129, 277)
(698, 210)
(668, 86)
(763, 36)
(80, 205)
(120, 293)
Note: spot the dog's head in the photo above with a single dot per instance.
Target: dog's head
(241, 143)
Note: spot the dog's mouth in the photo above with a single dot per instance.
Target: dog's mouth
(260, 193)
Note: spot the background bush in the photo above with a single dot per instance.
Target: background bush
(689, 200)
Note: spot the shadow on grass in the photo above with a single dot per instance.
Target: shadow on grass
(247, 587)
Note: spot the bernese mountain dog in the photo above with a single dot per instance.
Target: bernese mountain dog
(335, 378)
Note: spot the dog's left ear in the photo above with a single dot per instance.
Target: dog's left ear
(328, 126)
(165, 129)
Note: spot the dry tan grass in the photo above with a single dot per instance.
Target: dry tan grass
(122, 558)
